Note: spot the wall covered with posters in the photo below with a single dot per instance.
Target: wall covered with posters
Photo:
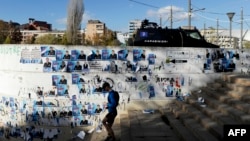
(138, 72)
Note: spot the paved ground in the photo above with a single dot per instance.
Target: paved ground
(149, 127)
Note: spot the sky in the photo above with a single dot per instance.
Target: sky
(116, 14)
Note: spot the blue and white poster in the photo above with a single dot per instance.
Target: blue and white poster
(59, 55)
(106, 54)
(4, 99)
(95, 55)
(74, 55)
(122, 54)
(56, 65)
(71, 66)
(113, 55)
(151, 59)
(12, 107)
(47, 51)
(56, 79)
(62, 90)
(36, 109)
(75, 78)
(75, 108)
(138, 55)
(151, 91)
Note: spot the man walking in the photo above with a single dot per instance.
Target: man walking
(113, 100)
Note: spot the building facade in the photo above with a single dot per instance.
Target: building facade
(133, 26)
(34, 29)
(94, 28)
(222, 38)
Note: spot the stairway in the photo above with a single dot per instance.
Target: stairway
(227, 101)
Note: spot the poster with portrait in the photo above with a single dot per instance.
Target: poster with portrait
(113, 55)
(75, 110)
(47, 64)
(70, 66)
(74, 101)
(74, 55)
(59, 55)
(106, 54)
(23, 104)
(4, 99)
(151, 59)
(81, 56)
(44, 51)
(12, 107)
(62, 90)
(56, 65)
(48, 51)
(81, 88)
(123, 54)
(75, 78)
(56, 79)
(137, 55)
(95, 55)
(151, 91)
(36, 104)
(12, 102)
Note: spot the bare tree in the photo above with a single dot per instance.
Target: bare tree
(74, 19)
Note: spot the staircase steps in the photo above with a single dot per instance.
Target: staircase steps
(213, 127)
(226, 108)
(182, 131)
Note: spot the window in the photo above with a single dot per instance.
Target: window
(195, 35)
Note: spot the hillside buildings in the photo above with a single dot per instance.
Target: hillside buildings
(222, 38)
(95, 28)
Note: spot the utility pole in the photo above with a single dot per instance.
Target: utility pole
(171, 17)
(190, 11)
(230, 16)
(217, 32)
(241, 29)
(160, 21)
(189, 14)
(204, 32)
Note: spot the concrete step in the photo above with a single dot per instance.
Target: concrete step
(236, 114)
(215, 85)
(219, 117)
(213, 113)
(182, 132)
(237, 95)
(232, 101)
(199, 116)
(215, 104)
(238, 79)
(198, 131)
(246, 98)
(213, 127)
